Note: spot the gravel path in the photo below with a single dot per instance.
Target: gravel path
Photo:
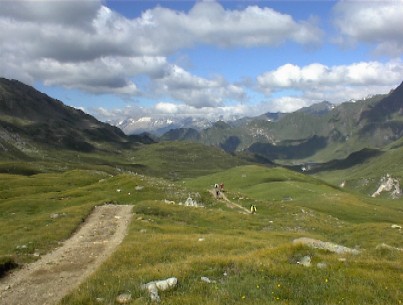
(229, 203)
(56, 274)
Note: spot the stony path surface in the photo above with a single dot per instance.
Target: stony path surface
(229, 203)
(56, 274)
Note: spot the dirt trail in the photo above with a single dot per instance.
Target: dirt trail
(56, 274)
(230, 204)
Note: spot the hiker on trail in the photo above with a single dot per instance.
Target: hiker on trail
(253, 209)
(217, 190)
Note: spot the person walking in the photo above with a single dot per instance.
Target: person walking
(217, 190)
(252, 209)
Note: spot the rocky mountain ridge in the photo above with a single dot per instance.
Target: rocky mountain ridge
(316, 134)
(319, 133)
(29, 118)
(158, 125)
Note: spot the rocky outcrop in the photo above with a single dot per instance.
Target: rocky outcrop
(317, 244)
(391, 185)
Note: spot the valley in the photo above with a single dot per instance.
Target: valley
(54, 172)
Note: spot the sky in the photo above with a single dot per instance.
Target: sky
(117, 59)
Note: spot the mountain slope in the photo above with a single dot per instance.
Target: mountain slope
(38, 133)
(364, 170)
(29, 117)
(319, 133)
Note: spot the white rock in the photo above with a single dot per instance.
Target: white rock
(396, 227)
(386, 246)
(305, 261)
(154, 296)
(167, 284)
(162, 285)
(389, 184)
(207, 280)
(149, 286)
(124, 298)
(189, 202)
(317, 244)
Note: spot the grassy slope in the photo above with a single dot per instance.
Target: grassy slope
(365, 177)
(250, 257)
(31, 191)
(178, 160)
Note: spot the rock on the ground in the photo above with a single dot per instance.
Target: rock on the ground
(305, 261)
(161, 285)
(317, 244)
(207, 280)
(386, 246)
(167, 284)
(389, 184)
(124, 298)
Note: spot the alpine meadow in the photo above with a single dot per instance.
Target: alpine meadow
(311, 241)
(203, 152)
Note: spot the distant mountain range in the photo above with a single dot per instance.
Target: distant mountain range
(158, 125)
(319, 133)
(316, 134)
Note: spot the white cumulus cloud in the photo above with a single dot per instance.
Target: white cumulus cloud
(84, 44)
(375, 22)
(318, 82)
(318, 76)
(196, 91)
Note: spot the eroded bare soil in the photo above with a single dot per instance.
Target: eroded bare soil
(56, 274)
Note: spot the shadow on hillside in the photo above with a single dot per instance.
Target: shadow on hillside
(358, 157)
(297, 149)
(230, 144)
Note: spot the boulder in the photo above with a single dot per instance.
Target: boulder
(162, 285)
(305, 261)
(124, 298)
(317, 244)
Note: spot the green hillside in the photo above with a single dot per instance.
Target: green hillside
(32, 122)
(279, 186)
(316, 134)
(250, 259)
(178, 160)
(364, 174)
(49, 186)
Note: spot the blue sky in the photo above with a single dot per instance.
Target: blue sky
(126, 58)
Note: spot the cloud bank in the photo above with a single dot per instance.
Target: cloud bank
(372, 22)
(87, 46)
